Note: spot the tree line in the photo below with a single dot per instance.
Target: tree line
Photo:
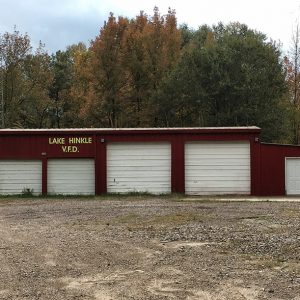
(150, 72)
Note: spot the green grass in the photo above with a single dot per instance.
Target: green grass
(109, 196)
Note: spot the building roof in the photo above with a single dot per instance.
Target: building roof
(105, 131)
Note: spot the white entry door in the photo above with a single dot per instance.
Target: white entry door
(292, 176)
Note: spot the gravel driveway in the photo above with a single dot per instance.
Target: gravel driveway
(148, 248)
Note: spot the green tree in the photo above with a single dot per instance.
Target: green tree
(292, 69)
(35, 104)
(14, 47)
(187, 34)
(62, 68)
(227, 76)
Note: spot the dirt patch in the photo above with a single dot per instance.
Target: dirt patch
(152, 248)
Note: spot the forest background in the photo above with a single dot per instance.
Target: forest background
(150, 72)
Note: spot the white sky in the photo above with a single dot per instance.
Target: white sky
(59, 23)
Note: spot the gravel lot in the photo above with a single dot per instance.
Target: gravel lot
(148, 248)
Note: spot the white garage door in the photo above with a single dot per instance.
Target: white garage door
(139, 167)
(17, 176)
(292, 176)
(217, 168)
(71, 176)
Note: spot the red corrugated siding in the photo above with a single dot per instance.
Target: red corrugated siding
(177, 166)
(273, 167)
(35, 145)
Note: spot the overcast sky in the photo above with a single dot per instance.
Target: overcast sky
(59, 23)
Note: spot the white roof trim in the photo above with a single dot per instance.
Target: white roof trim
(133, 129)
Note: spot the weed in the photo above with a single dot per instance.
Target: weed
(27, 192)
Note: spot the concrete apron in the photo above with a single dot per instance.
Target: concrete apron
(243, 198)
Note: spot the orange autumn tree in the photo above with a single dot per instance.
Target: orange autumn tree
(81, 91)
(108, 77)
(136, 64)
(128, 61)
(152, 48)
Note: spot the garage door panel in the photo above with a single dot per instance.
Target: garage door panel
(220, 184)
(139, 146)
(150, 169)
(212, 150)
(139, 167)
(157, 164)
(204, 179)
(17, 175)
(140, 153)
(212, 188)
(138, 189)
(218, 163)
(138, 184)
(150, 154)
(220, 191)
(217, 168)
(224, 159)
(138, 180)
(71, 176)
(222, 173)
(223, 168)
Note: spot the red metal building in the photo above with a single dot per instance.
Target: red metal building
(161, 160)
